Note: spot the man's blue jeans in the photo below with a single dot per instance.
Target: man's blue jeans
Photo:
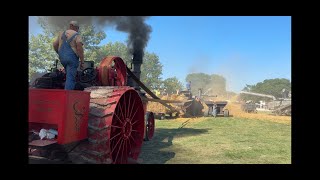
(70, 65)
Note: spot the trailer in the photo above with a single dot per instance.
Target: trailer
(217, 108)
(249, 107)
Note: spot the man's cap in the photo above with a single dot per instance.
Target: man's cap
(74, 23)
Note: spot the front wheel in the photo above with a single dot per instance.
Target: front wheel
(149, 128)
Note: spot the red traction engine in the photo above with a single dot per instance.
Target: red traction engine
(103, 120)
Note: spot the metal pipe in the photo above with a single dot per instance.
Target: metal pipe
(258, 94)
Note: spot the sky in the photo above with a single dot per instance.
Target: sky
(243, 49)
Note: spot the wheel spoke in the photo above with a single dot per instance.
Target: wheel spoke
(129, 144)
(115, 135)
(115, 145)
(116, 126)
(133, 140)
(133, 116)
(132, 107)
(121, 108)
(125, 111)
(118, 118)
(122, 150)
(120, 112)
(118, 151)
(129, 103)
(136, 125)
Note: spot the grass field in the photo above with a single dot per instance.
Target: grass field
(232, 140)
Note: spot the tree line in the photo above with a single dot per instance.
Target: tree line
(272, 87)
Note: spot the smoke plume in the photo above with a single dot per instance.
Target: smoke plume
(138, 31)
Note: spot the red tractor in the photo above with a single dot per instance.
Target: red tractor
(104, 120)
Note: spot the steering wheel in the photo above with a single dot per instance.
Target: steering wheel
(87, 75)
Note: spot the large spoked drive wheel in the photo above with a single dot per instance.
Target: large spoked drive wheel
(116, 125)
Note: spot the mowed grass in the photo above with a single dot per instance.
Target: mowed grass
(218, 141)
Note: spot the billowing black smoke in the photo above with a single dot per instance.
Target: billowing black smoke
(138, 31)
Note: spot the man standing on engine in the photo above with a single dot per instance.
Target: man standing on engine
(68, 46)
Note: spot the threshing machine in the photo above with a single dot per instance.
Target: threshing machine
(279, 106)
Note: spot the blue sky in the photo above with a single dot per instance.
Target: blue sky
(243, 49)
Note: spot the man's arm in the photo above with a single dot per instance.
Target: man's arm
(79, 48)
(56, 44)
(80, 52)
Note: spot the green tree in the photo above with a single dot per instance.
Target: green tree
(172, 85)
(151, 70)
(269, 87)
(41, 54)
(217, 84)
(116, 49)
(214, 82)
(198, 80)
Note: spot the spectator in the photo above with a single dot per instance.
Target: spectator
(188, 86)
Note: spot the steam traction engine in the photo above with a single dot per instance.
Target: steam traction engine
(103, 121)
